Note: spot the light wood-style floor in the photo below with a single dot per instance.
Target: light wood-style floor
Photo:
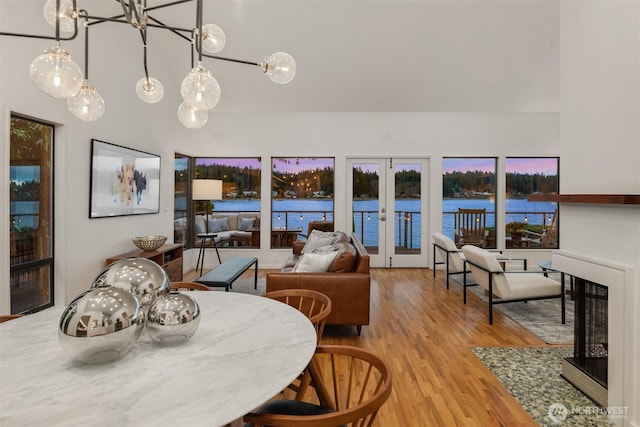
(426, 333)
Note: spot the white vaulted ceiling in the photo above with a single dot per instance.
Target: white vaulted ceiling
(351, 55)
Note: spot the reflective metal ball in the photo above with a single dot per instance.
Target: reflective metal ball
(101, 325)
(142, 277)
(173, 318)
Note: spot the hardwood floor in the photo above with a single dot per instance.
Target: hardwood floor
(426, 333)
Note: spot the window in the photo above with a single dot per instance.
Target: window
(31, 215)
(468, 205)
(301, 192)
(181, 199)
(531, 224)
(240, 204)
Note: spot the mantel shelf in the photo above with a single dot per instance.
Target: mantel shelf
(605, 199)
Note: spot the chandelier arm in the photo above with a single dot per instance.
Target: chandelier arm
(222, 58)
(175, 30)
(125, 10)
(199, 25)
(86, 49)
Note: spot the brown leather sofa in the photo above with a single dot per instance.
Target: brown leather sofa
(347, 283)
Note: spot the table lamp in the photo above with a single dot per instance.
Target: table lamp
(206, 189)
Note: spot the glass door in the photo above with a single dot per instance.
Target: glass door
(388, 198)
(31, 214)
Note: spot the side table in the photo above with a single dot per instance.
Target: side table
(203, 243)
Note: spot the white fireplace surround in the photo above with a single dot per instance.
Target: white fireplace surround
(619, 280)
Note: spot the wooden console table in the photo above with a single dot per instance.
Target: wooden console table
(168, 256)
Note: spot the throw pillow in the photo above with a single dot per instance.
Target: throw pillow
(256, 224)
(320, 234)
(316, 242)
(224, 223)
(315, 262)
(214, 226)
(246, 223)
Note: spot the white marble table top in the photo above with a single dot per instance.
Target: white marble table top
(245, 351)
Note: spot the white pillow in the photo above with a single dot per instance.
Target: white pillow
(316, 242)
(320, 234)
(315, 262)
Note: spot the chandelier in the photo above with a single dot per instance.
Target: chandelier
(56, 74)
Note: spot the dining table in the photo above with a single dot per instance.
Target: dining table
(246, 350)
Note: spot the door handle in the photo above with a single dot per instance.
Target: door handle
(382, 217)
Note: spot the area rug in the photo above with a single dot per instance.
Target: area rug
(532, 376)
(542, 317)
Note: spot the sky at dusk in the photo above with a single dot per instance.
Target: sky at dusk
(544, 165)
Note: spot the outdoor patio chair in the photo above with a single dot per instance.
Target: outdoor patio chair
(470, 227)
(512, 286)
(547, 239)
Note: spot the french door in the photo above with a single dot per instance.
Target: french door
(387, 206)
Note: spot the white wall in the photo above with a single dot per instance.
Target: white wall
(600, 149)
(505, 62)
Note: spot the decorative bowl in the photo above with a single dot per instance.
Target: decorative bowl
(173, 318)
(149, 243)
(101, 325)
(142, 277)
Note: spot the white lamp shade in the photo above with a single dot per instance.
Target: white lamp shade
(206, 189)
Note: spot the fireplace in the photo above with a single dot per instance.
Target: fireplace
(604, 284)
(587, 370)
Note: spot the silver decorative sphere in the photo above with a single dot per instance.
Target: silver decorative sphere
(173, 318)
(142, 277)
(101, 325)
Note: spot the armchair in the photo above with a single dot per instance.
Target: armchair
(512, 286)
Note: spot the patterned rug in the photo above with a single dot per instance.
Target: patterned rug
(542, 317)
(532, 376)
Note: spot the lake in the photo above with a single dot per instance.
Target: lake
(294, 213)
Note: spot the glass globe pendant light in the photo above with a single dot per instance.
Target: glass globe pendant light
(192, 118)
(66, 15)
(200, 89)
(149, 90)
(213, 38)
(280, 67)
(55, 73)
(87, 104)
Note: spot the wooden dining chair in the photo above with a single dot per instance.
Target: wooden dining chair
(317, 307)
(351, 386)
(7, 317)
(189, 286)
(313, 304)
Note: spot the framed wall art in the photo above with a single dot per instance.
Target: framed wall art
(124, 181)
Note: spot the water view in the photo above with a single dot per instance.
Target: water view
(297, 213)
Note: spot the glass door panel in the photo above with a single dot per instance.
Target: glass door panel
(31, 215)
(386, 208)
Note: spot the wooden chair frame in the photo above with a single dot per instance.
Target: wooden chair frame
(356, 396)
(189, 286)
(313, 304)
(470, 227)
